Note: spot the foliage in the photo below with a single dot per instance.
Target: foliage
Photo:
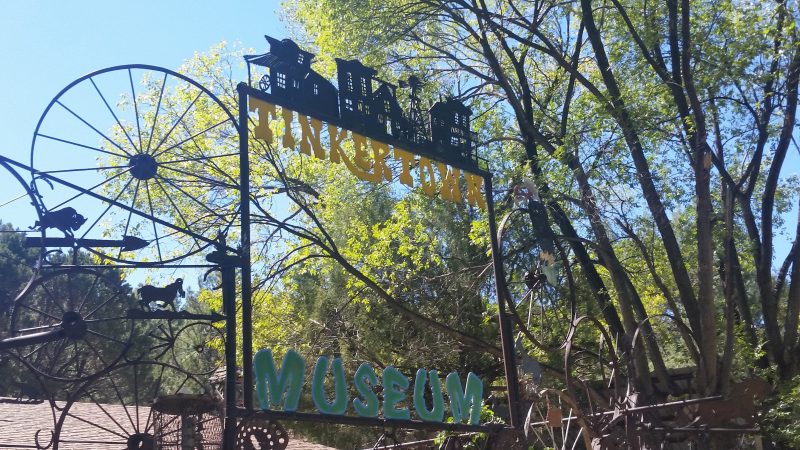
(781, 427)
(657, 137)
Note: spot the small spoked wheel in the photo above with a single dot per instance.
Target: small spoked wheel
(118, 410)
(149, 159)
(263, 83)
(75, 320)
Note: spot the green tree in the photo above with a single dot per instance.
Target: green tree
(657, 136)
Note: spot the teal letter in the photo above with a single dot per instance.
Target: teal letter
(394, 392)
(369, 407)
(271, 384)
(340, 400)
(465, 403)
(437, 413)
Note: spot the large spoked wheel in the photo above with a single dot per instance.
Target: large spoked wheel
(114, 410)
(76, 320)
(146, 156)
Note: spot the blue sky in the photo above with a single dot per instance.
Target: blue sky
(47, 44)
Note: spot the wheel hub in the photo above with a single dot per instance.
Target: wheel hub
(73, 325)
(141, 441)
(143, 166)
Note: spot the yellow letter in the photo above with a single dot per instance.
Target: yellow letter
(361, 155)
(474, 194)
(288, 137)
(262, 129)
(426, 176)
(310, 139)
(449, 176)
(379, 153)
(336, 136)
(406, 163)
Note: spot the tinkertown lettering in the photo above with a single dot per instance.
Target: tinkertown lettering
(281, 388)
(370, 161)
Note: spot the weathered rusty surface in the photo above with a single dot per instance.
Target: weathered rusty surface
(737, 409)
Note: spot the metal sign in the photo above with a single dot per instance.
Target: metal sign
(362, 126)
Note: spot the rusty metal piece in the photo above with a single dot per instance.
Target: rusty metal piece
(736, 409)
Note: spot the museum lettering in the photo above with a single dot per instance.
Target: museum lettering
(280, 389)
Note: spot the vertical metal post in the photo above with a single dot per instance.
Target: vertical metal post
(247, 289)
(229, 308)
(506, 331)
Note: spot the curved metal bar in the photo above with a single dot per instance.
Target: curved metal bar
(568, 351)
(34, 201)
(679, 323)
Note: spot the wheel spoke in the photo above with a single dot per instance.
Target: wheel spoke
(155, 232)
(39, 328)
(99, 405)
(178, 211)
(91, 189)
(191, 197)
(190, 138)
(155, 117)
(98, 334)
(199, 158)
(53, 298)
(136, 394)
(112, 113)
(135, 109)
(65, 141)
(201, 152)
(93, 128)
(107, 319)
(82, 170)
(40, 312)
(119, 194)
(91, 313)
(121, 401)
(166, 136)
(130, 214)
(200, 178)
(95, 424)
(39, 347)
